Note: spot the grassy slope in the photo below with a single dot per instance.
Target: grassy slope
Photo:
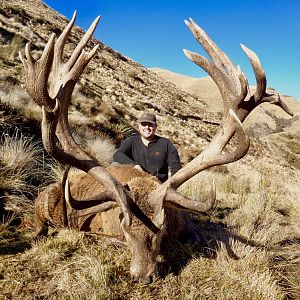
(253, 233)
(252, 252)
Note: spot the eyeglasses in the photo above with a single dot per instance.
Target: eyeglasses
(144, 124)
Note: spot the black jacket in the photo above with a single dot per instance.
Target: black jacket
(155, 159)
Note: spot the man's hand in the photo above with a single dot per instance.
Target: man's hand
(138, 167)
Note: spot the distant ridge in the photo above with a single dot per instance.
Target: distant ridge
(205, 89)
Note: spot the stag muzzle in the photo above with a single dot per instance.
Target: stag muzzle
(143, 274)
(143, 265)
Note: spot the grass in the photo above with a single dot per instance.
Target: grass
(15, 97)
(21, 166)
(261, 229)
(252, 235)
(288, 146)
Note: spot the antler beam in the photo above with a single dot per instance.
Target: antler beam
(55, 105)
(237, 103)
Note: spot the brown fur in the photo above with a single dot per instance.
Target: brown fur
(49, 203)
(143, 243)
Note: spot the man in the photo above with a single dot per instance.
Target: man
(147, 151)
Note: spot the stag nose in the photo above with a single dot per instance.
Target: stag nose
(146, 280)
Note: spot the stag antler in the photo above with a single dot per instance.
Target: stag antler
(238, 104)
(55, 105)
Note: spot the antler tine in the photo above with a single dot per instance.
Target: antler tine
(244, 87)
(179, 200)
(204, 63)
(215, 53)
(104, 201)
(259, 72)
(61, 41)
(83, 42)
(276, 100)
(260, 94)
(225, 73)
(37, 73)
(82, 62)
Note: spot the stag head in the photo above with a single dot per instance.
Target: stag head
(145, 215)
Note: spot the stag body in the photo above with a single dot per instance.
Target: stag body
(128, 203)
(49, 203)
(145, 237)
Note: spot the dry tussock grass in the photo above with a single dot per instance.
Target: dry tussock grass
(21, 166)
(17, 98)
(259, 259)
(99, 148)
(251, 249)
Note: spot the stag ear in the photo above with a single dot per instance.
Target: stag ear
(125, 228)
(117, 242)
(159, 219)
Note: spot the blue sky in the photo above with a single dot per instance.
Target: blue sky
(153, 33)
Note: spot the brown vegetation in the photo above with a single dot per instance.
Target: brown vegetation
(246, 257)
(79, 265)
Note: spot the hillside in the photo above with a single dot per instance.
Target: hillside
(265, 115)
(114, 89)
(276, 132)
(248, 245)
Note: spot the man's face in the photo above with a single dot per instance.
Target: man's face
(147, 130)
